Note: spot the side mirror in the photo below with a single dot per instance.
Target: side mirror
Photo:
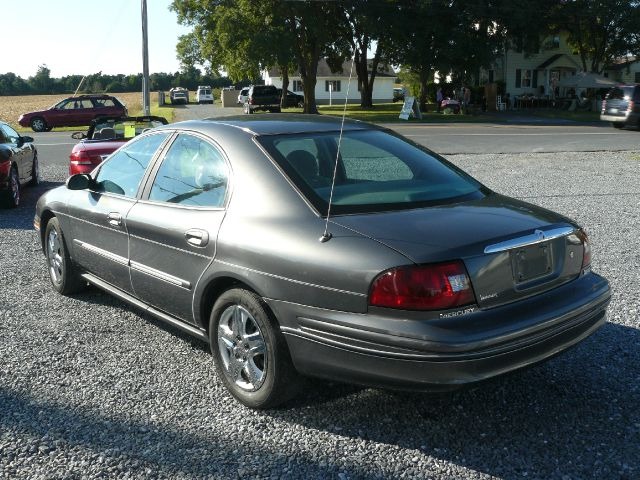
(78, 135)
(26, 139)
(79, 181)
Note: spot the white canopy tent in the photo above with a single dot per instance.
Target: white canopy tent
(586, 80)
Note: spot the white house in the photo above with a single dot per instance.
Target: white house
(536, 73)
(625, 70)
(332, 87)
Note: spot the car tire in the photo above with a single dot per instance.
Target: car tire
(276, 110)
(38, 124)
(301, 104)
(250, 353)
(35, 171)
(618, 125)
(62, 271)
(11, 197)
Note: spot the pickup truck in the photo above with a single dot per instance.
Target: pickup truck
(179, 95)
(262, 97)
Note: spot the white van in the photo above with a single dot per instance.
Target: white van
(204, 95)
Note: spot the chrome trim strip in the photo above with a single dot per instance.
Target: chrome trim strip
(182, 250)
(103, 253)
(538, 236)
(117, 230)
(160, 275)
(299, 282)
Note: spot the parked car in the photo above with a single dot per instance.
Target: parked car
(242, 96)
(262, 97)
(105, 136)
(292, 99)
(204, 95)
(421, 277)
(398, 95)
(179, 95)
(621, 106)
(18, 165)
(73, 112)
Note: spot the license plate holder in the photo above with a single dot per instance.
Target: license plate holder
(531, 262)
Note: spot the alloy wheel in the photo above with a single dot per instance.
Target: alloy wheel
(242, 348)
(14, 186)
(55, 256)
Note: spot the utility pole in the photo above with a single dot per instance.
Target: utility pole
(146, 109)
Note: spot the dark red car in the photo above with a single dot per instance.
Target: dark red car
(105, 136)
(74, 111)
(18, 165)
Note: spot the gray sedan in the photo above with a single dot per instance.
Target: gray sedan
(297, 249)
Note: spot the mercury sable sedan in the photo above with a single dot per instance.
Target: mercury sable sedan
(295, 251)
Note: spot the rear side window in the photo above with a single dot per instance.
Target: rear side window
(192, 173)
(376, 171)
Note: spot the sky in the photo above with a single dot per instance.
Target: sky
(88, 36)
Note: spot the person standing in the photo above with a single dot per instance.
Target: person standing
(439, 98)
(467, 99)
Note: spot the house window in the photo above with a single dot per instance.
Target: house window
(491, 76)
(524, 78)
(637, 80)
(555, 43)
(297, 86)
(335, 85)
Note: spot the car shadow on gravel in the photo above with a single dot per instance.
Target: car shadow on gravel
(21, 218)
(94, 296)
(577, 415)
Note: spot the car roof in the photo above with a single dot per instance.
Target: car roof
(275, 124)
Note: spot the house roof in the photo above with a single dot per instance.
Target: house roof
(552, 59)
(325, 71)
(620, 63)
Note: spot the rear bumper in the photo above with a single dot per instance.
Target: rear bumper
(613, 118)
(453, 355)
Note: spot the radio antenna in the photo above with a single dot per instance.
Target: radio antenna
(326, 236)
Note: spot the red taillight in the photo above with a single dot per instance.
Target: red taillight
(586, 249)
(423, 287)
(80, 157)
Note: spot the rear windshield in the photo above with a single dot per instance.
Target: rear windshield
(376, 171)
(618, 93)
(265, 90)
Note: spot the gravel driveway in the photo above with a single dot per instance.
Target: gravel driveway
(91, 388)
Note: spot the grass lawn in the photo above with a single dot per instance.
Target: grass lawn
(389, 113)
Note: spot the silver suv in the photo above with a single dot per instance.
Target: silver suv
(621, 106)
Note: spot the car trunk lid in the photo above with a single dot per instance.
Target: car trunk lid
(511, 249)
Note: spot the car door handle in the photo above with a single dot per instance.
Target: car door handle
(114, 219)
(197, 237)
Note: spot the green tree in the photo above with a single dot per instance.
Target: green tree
(367, 25)
(41, 82)
(246, 36)
(601, 30)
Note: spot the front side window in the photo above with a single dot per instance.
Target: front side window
(123, 171)
(376, 171)
(193, 173)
